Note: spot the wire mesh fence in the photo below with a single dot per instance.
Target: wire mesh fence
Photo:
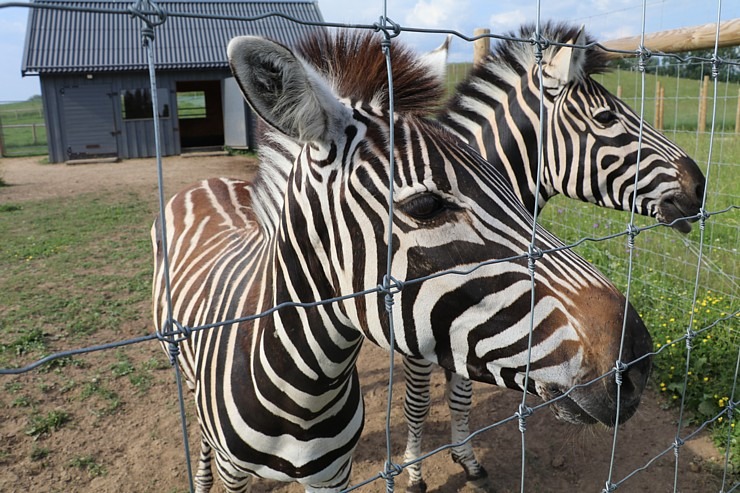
(686, 285)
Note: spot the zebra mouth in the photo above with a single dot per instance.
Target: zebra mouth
(672, 209)
(582, 407)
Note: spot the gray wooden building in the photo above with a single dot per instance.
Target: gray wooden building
(95, 83)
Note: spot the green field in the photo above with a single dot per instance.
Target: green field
(26, 140)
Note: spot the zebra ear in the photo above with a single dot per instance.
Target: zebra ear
(566, 64)
(436, 60)
(284, 90)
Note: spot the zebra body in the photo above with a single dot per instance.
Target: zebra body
(278, 396)
(590, 153)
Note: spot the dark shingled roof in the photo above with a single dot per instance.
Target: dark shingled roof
(63, 41)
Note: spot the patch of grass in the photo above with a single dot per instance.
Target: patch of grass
(40, 425)
(89, 464)
(71, 266)
(39, 453)
(21, 401)
(110, 400)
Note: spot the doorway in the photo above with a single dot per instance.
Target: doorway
(200, 114)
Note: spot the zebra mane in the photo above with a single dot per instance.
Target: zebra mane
(355, 66)
(510, 59)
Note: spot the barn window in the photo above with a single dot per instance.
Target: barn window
(191, 104)
(136, 104)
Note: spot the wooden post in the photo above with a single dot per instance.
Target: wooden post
(619, 91)
(737, 114)
(481, 46)
(656, 117)
(661, 111)
(702, 123)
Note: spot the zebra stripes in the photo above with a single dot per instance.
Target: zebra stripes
(279, 396)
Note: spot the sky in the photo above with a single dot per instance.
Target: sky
(604, 19)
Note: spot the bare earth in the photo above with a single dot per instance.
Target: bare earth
(139, 447)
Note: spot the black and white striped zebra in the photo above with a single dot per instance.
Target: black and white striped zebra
(279, 397)
(590, 154)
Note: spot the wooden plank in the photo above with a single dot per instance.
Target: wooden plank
(679, 40)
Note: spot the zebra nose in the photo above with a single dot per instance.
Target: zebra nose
(634, 367)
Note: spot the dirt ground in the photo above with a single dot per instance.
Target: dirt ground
(139, 447)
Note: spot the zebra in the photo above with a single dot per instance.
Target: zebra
(278, 396)
(590, 144)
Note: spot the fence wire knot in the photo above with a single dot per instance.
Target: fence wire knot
(716, 64)
(690, 335)
(703, 216)
(540, 44)
(390, 287)
(533, 255)
(389, 473)
(619, 368)
(522, 414)
(632, 231)
(609, 487)
(677, 444)
(644, 55)
(382, 25)
(141, 10)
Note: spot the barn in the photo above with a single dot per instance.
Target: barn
(94, 78)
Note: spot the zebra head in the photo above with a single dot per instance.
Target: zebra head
(454, 211)
(590, 139)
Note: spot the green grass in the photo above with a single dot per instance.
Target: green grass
(70, 267)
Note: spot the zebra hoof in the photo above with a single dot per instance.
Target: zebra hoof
(480, 485)
(420, 487)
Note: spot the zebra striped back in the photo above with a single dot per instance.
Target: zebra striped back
(591, 137)
(279, 396)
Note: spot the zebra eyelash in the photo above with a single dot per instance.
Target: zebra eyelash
(425, 206)
(606, 117)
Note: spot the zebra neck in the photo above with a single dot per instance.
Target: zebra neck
(497, 113)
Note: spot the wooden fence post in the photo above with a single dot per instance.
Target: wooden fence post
(656, 118)
(737, 114)
(702, 123)
(481, 46)
(619, 91)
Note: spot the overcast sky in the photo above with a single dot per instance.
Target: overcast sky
(605, 19)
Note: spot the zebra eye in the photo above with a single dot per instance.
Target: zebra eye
(606, 117)
(424, 206)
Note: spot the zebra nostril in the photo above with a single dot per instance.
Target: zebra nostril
(700, 191)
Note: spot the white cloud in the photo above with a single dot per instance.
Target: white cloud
(436, 14)
(507, 21)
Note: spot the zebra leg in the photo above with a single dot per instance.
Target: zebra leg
(459, 399)
(204, 475)
(233, 479)
(415, 408)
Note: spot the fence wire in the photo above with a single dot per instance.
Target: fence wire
(151, 15)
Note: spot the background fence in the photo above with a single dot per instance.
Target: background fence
(22, 128)
(683, 286)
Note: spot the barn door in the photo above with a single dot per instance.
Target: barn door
(89, 122)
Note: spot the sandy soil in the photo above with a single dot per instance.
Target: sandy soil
(138, 448)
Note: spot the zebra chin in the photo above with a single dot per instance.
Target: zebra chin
(596, 402)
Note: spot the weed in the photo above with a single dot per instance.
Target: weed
(39, 453)
(43, 425)
(89, 464)
(111, 399)
(21, 401)
(13, 387)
